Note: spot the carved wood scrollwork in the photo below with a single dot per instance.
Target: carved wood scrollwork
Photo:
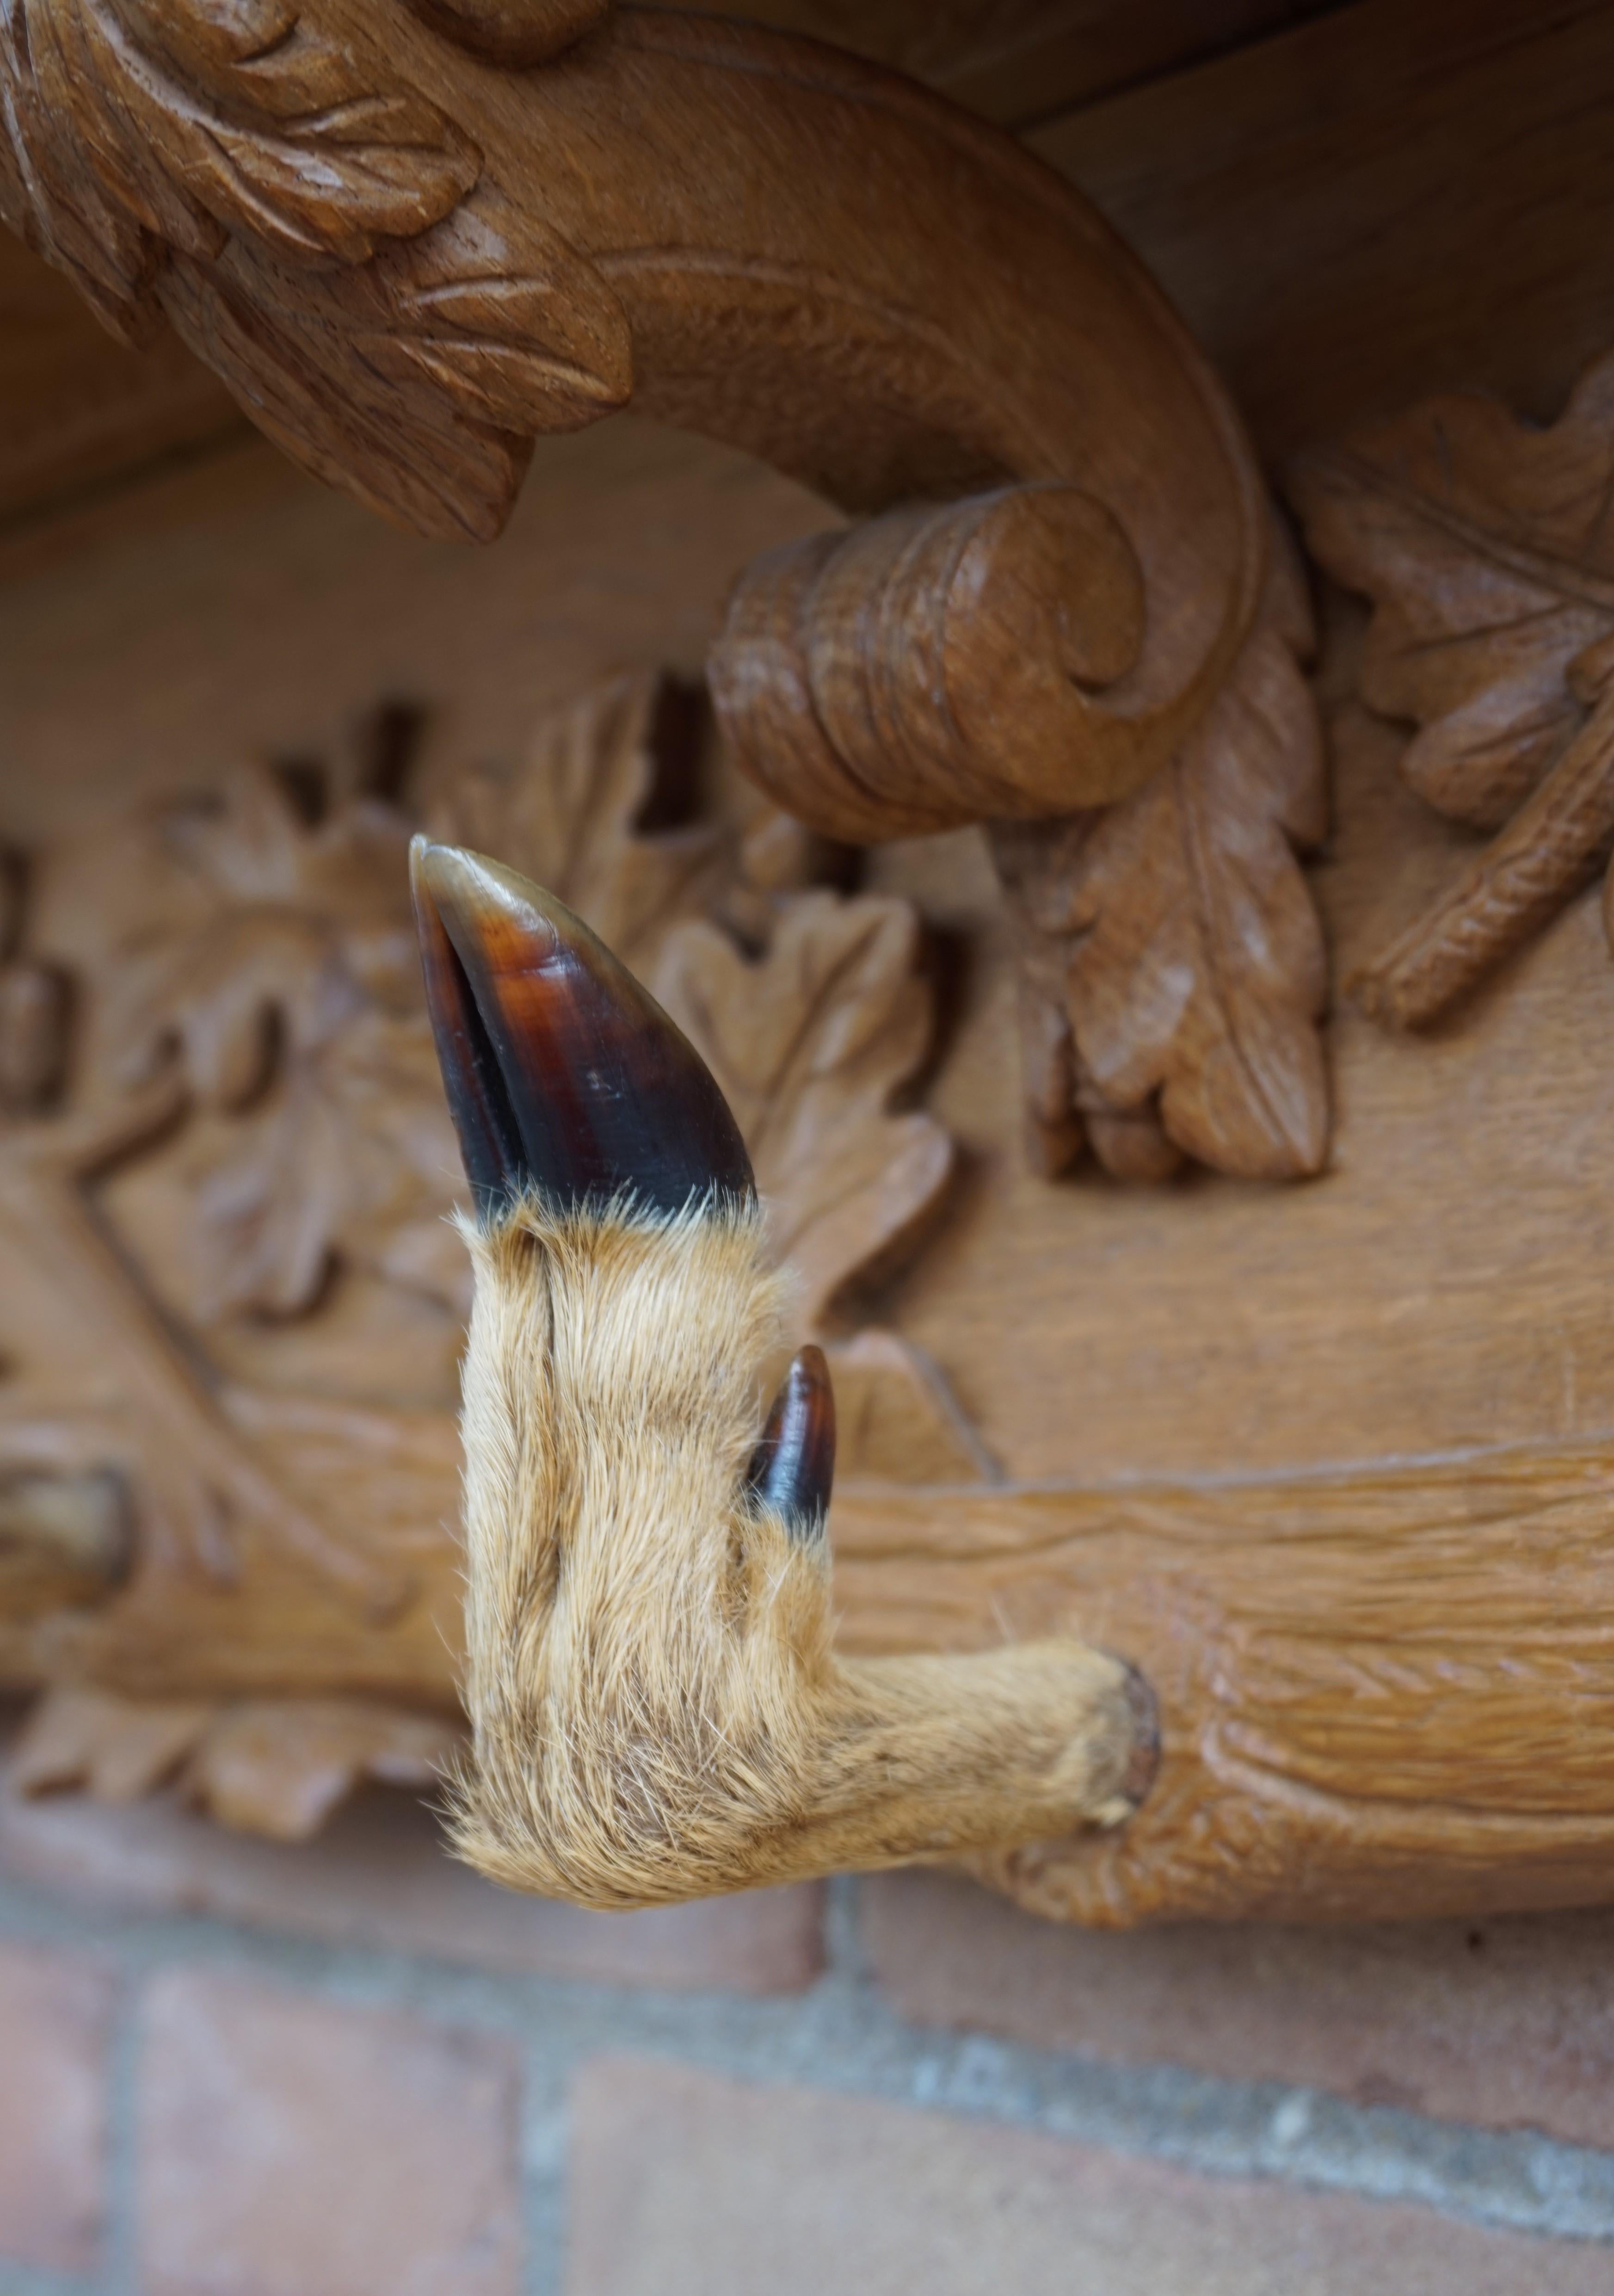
(407, 257)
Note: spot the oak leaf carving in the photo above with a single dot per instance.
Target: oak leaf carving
(269, 124)
(506, 320)
(1487, 546)
(47, 193)
(351, 1158)
(571, 814)
(251, 993)
(811, 1044)
(1173, 958)
(290, 1003)
(193, 121)
(279, 1767)
(116, 1748)
(318, 230)
(273, 1767)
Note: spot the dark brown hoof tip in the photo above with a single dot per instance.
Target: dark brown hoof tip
(565, 1078)
(792, 1467)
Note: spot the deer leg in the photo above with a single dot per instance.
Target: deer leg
(658, 1710)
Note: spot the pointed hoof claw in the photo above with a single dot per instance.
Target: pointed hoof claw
(793, 1467)
(565, 1077)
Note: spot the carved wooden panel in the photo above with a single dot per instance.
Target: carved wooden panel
(246, 1165)
(234, 1306)
(1307, 127)
(1075, 1334)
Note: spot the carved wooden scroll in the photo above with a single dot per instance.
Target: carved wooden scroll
(412, 239)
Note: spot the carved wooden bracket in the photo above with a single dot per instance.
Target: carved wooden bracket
(411, 240)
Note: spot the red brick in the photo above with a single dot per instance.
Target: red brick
(686, 2184)
(55, 2022)
(290, 2147)
(1503, 2022)
(378, 1875)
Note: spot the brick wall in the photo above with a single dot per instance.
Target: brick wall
(353, 2069)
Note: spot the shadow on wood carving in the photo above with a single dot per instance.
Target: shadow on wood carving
(407, 258)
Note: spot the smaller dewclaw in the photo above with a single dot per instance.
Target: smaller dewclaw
(658, 1711)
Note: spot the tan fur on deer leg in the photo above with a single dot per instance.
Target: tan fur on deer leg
(658, 1712)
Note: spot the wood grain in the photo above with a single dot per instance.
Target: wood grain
(1014, 60)
(1440, 1286)
(1351, 212)
(406, 317)
(1331, 1657)
(1392, 200)
(76, 407)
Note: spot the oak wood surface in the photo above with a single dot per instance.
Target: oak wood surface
(1394, 200)
(1015, 60)
(1383, 1689)
(621, 555)
(76, 406)
(1441, 1285)
(1070, 585)
(404, 315)
(1481, 542)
